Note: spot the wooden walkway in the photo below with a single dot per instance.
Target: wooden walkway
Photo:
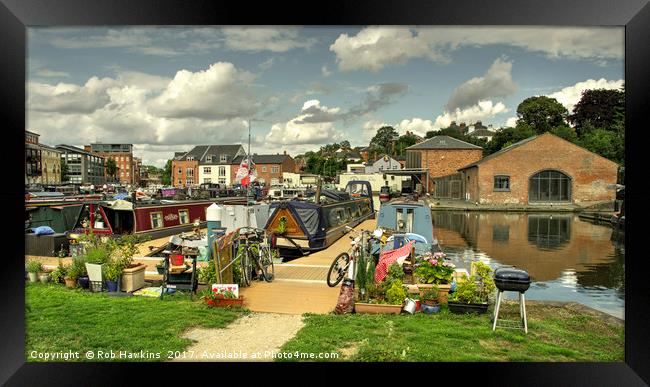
(300, 285)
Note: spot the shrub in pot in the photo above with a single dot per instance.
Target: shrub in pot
(33, 268)
(112, 272)
(160, 267)
(472, 294)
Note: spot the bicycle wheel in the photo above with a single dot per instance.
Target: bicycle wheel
(337, 269)
(266, 264)
(246, 266)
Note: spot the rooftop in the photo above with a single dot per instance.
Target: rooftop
(443, 142)
(263, 159)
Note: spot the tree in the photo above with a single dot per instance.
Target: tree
(404, 142)
(384, 139)
(605, 143)
(541, 113)
(505, 137)
(432, 133)
(566, 132)
(65, 171)
(599, 108)
(111, 168)
(345, 144)
(166, 175)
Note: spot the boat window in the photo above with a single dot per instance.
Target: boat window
(348, 213)
(409, 220)
(184, 216)
(399, 220)
(156, 220)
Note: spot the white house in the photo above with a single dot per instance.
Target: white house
(384, 163)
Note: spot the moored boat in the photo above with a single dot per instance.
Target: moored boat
(303, 227)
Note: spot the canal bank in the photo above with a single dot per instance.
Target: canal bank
(436, 204)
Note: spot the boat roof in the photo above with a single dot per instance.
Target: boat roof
(404, 201)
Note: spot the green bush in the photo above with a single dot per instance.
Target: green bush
(112, 271)
(34, 266)
(97, 254)
(396, 293)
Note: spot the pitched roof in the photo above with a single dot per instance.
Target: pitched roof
(263, 159)
(502, 151)
(482, 132)
(443, 142)
(201, 153)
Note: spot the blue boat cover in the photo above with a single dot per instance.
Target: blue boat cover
(120, 196)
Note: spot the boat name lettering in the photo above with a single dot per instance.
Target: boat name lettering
(171, 217)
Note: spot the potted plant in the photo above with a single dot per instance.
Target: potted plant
(111, 272)
(33, 268)
(387, 297)
(71, 275)
(123, 249)
(432, 270)
(472, 294)
(44, 276)
(96, 256)
(160, 267)
(224, 299)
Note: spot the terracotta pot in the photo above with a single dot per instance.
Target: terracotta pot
(70, 283)
(225, 302)
(360, 307)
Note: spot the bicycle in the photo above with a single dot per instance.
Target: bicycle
(341, 264)
(254, 248)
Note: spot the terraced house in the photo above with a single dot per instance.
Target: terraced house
(205, 164)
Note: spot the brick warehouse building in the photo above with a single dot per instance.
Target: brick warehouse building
(269, 167)
(541, 169)
(122, 154)
(442, 156)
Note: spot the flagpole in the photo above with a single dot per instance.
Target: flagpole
(249, 171)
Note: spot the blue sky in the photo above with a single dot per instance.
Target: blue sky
(165, 89)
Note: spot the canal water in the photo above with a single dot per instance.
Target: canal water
(568, 259)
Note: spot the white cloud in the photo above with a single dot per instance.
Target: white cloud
(143, 80)
(267, 64)
(68, 98)
(570, 96)
(264, 39)
(496, 82)
(416, 125)
(313, 126)
(374, 48)
(325, 72)
(220, 92)
(482, 111)
(511, 122)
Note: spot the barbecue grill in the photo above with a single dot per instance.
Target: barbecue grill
(510, 279)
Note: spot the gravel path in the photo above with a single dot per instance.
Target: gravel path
(255, 337)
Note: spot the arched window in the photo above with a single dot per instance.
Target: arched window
(549, 186)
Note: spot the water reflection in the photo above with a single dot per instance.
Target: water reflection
(567, 258)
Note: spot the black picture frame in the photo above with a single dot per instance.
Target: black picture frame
(16, 15)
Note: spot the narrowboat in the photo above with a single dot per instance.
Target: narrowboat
(155, 218)
(410, 218)
(303, 226)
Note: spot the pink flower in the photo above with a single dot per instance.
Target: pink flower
(434, 262)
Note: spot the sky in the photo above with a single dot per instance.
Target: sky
(167, 89)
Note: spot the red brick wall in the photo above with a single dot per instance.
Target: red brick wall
(443, 162)
(183, 165)
(592, 176)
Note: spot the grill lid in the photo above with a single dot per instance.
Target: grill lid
(511, 275)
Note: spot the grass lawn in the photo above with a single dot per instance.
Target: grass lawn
(554, 334)
(62, 320)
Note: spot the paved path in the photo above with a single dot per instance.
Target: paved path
(254, 337)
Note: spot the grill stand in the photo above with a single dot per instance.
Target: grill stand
(522, 312)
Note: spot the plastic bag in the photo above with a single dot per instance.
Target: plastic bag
(43, 230)
(345, 303)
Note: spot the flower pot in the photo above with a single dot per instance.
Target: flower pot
(33, 277)
(225, 302)
(443, 291)
(160, 269)
(133, 278)
(95, 271)
(428, 309)
(112, 286)
(70, 283)
(460, 308)
(84, 282)
(360, 307)
(44, 277)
